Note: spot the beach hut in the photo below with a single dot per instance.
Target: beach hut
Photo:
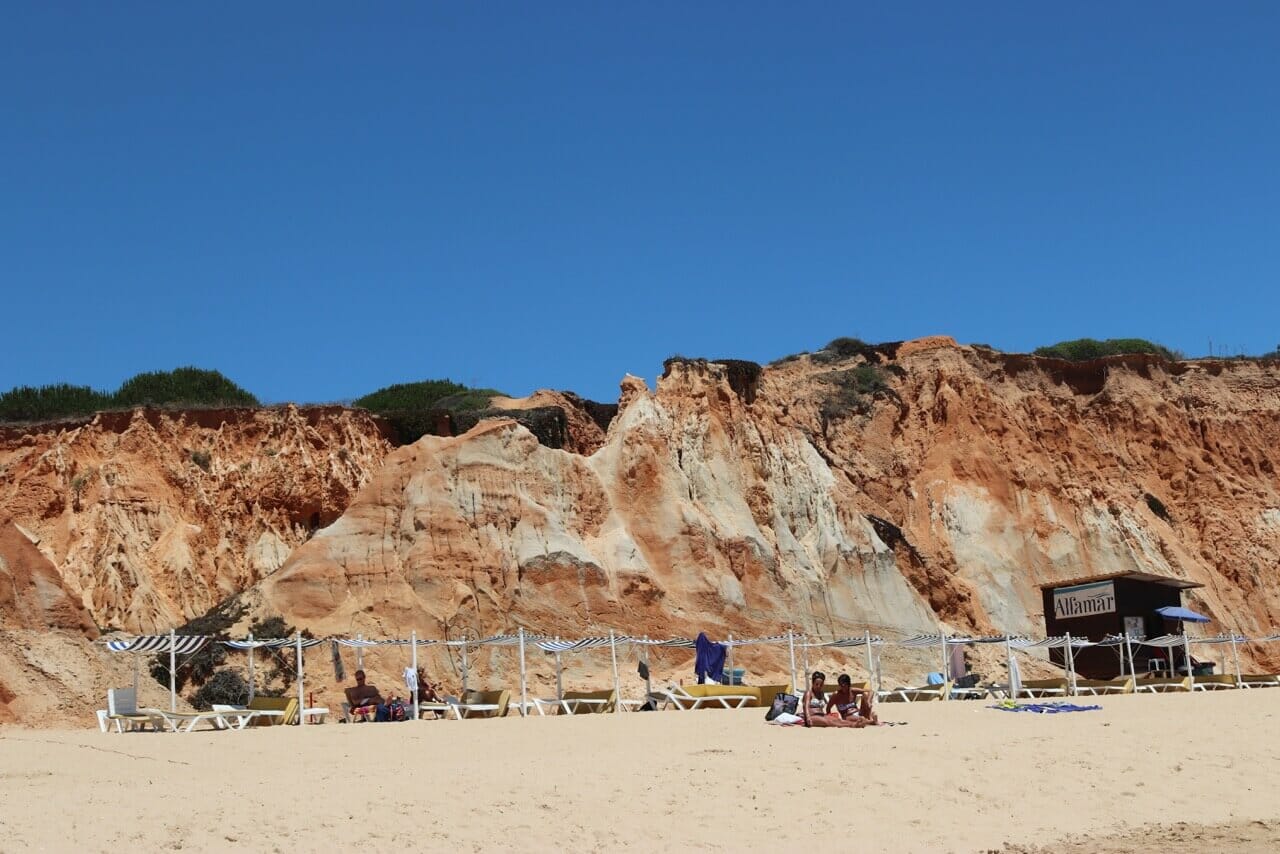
(1099, 606)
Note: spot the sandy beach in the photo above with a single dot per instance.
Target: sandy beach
(1181, 772)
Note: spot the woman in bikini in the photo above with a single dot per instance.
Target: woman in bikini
(815, 705)
(853, 706)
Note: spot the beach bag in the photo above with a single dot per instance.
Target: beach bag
(396, 712)
(782, 704)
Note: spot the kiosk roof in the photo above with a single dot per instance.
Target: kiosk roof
(1146, 577)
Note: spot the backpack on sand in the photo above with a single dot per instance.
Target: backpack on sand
(782, 703)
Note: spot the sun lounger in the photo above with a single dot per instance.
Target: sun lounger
(1259, 680)
(1216, 682)
(688, 698)
(260, 711)
(437, 708)
(1095, 687)
(768, 692)
(122, 709)
(971, 693)
(587, 702)
(1163, 684)
(925, 694)
(1033, 688)
(186, 721)
(481, 704)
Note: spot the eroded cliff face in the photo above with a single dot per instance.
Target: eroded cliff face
(898, 489)
(944, 498)
(152, 517)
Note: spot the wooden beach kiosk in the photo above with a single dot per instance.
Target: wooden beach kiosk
(1102, 605)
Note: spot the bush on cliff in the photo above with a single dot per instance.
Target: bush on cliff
(50, 402)
(182, 387)
(1088, 349)
(852, 391)
(408, 397)
(189, 387)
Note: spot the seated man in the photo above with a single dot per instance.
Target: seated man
(428, 691)
(853, 705)
(365, 701)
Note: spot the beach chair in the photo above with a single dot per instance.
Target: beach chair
(185, 721)
(1259, 680)
(766, 693)
(1033, 688)
(925, 694)
(588, 702)
(482, 704)
(1217, 682)
(688, 698)
(122, 709)
(1163, 684)
(260, 711)
(1095, 687)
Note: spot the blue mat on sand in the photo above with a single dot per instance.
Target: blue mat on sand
(1043, 708)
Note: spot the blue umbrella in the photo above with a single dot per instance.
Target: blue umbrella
(1174, 612)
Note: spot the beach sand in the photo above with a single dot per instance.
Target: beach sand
(1177, 772)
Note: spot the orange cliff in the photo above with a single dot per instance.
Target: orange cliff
(896, 488)
(748, 500)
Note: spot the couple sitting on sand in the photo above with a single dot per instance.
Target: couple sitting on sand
(847, 707)
(367, 704)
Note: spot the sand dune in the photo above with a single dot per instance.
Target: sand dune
(1181, 772)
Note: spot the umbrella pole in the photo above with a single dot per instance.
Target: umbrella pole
(302, 719)
(648, 684)
(524, 689)
(250, 667)
(871, 669)
(560, 681)
(173, 666)
(413, 640)
(359, 653)
(728, 657)
(946, 666)
(804, 640)
(1236, 655)
(791, 644)
(464, 670)
(1068, 658)
(1133, 668)
(617, 684)
(1186, 653)
(1008, 657)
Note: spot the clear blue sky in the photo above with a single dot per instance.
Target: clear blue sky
(323, 198)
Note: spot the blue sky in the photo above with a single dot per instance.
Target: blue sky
(320, 199)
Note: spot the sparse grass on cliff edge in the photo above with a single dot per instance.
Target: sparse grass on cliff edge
(1088, 349)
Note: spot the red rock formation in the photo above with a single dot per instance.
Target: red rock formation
(153, 517)
(945, 497)
(894, 489)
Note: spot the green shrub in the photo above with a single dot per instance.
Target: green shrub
(1088, 349)
(469, 400)
(410, 396)
(226, 687)
(853, 391)
(182, 386)
(50, 402)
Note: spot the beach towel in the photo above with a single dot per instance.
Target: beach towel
(1042, 708)
(785, 719)
(709, 660)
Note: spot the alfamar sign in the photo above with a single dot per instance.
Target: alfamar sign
(1084, 600)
